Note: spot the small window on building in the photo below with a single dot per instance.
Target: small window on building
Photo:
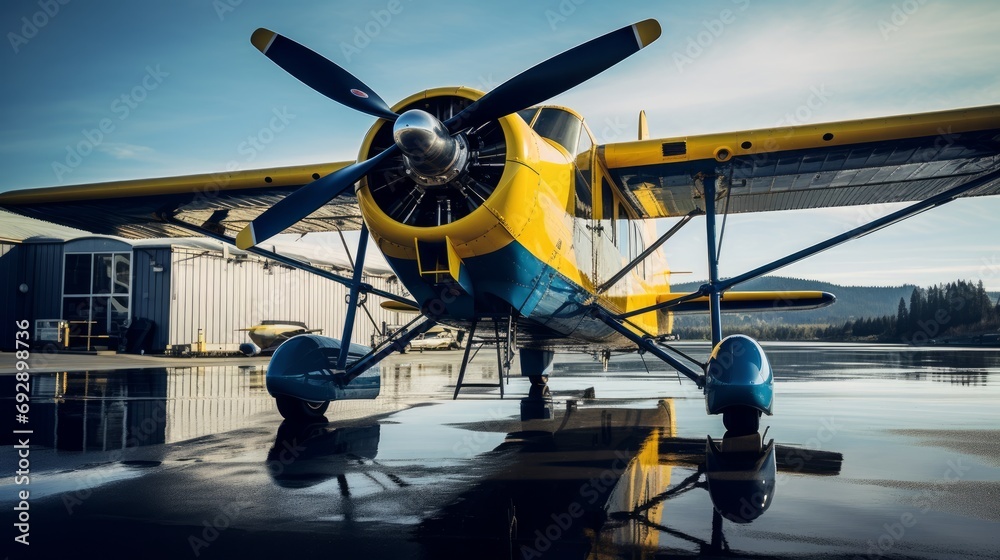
(77, 277)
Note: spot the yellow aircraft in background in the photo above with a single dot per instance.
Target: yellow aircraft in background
(493, 208)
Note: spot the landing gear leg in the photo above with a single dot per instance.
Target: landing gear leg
(741, 420)
(536, 365)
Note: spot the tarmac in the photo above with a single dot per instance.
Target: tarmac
(878, 452)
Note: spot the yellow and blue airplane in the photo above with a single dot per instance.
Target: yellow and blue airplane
(491, 207)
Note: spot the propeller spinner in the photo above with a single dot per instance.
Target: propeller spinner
(433, 152)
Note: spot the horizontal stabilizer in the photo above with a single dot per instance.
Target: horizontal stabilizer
(747, 302)
(390, 305)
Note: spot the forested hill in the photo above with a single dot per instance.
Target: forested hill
(853, 302)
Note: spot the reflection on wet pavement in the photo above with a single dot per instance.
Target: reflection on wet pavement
(195, 462)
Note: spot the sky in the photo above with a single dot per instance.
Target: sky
(109, 90)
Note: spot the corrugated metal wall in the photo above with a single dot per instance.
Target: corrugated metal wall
(39, 265)
(42, 273)
(43, 265)
(12, 301)
(222, 295)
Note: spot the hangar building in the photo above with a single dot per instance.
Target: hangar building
(188, 290)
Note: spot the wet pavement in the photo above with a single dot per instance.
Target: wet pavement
(879, 452)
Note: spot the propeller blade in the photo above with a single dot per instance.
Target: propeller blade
(320, 74)
(557, 74)
(306, 200)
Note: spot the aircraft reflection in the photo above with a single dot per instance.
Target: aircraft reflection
(304, 455)
(581, 481)
(740, 474)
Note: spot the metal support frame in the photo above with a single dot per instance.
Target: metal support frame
(646, 343)
(649, 251)
(504, 355)
(465, 359)
(352, 299)
(500, 365)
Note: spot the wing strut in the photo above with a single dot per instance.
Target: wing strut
(352, 298)
(875, 225)
(714, 292)
(648, 344)
(716, 286)
(649, 251)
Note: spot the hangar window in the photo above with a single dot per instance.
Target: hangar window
(96, 290)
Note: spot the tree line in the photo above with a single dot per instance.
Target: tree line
(953, 309)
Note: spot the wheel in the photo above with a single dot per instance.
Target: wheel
(538, 379)
(741, 420)
(295, 409)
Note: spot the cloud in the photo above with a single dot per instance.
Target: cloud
(120, 150)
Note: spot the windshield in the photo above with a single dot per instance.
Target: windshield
(559, 126)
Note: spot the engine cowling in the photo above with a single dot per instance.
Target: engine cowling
(452, 179)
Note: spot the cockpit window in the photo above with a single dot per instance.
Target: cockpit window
(527, 114)
(559, 126)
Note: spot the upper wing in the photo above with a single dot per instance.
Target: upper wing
(221, 202)
(892, 159)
